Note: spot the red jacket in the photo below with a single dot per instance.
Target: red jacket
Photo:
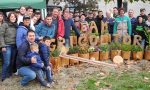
(60, 31)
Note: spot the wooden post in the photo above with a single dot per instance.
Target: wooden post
(93, 27)
(136, 40)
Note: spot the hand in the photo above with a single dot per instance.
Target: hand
(40, 38)
(82, 35)
(3, 49)
(59, 38)
(49, 68)
(33, 60)
(42, 64)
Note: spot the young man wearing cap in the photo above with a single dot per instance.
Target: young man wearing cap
(90, 17)
(142, 14)
(22, 30)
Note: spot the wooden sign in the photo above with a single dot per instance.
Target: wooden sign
(137, 39)
(93, 27)
(104, 27)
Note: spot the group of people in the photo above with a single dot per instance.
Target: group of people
(25, 38)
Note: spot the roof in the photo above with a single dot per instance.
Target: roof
(10, 4)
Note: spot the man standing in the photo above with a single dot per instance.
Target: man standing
(68, 23)
(110, 22)
(22, 30)
(133, 19)
(98, 20)
(58, 22)
(23, 63)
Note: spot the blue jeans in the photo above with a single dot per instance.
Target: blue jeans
(9, 58)
(40, 73)
(143, 43)
(67, 43)
(48, 75)
(27, 73)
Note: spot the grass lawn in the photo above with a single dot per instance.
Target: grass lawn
(117, 81)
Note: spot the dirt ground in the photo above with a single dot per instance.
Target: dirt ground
(69, 78)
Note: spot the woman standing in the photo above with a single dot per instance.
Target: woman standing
(1, 22)
(8, 45)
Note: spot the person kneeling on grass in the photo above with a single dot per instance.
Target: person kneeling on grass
(39, 66)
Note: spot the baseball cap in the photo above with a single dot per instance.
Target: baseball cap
(26, 17)
(37, 12)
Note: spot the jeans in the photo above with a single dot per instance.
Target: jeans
(27, 73)
(40, 75)
(143, 43)
(48, 75)
(9, 58)
(67, 43)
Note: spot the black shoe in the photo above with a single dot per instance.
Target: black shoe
(3, 80)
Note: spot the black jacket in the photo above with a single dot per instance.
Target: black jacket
(98, 23)
(22, 60)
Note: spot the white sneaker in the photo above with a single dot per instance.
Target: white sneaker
(16, 73)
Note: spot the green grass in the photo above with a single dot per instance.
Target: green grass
(115, 81)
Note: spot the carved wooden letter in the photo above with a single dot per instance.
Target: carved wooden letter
(93, 27)
(93, 40)
(104, 27)
(83, 41)
(116, 37)
(137, 39)
(127, 39)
